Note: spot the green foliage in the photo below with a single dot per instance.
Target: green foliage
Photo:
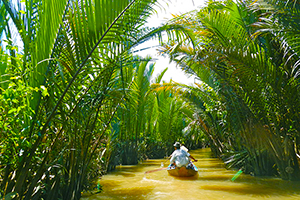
(60, 97)
(247, 52)
(73, 97)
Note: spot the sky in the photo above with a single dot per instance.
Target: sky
(176, 7)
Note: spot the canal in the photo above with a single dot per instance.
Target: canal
(212, 182)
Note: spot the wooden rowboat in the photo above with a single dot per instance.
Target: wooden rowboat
(182, 171)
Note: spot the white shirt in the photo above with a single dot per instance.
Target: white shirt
(180, 157)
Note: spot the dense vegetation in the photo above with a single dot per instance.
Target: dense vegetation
(75, 101)
(247, 55)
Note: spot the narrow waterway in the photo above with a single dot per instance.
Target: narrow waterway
(212, 182)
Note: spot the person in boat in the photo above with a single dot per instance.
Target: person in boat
(180, 157)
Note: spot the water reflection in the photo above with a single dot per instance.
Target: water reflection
(212, 182)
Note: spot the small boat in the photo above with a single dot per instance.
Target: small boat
(182, 171)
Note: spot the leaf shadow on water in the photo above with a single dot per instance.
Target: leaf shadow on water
(111, 183)
(139, 193)
(126, 174)
(127, 168)
(257, 188)
(214, 178)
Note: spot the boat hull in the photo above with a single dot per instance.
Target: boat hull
(182, 171)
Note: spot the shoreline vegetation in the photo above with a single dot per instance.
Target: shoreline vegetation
(75, 102)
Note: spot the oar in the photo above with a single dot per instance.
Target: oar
(163, 163)
(155, 170)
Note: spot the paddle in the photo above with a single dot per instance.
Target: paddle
(163, 163)
(155, 170)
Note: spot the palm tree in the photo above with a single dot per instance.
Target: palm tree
(130, 119)
(249, 72)
(73, 73)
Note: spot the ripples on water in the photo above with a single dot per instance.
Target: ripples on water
(212, 182)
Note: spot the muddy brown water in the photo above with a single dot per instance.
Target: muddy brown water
(212, 182)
